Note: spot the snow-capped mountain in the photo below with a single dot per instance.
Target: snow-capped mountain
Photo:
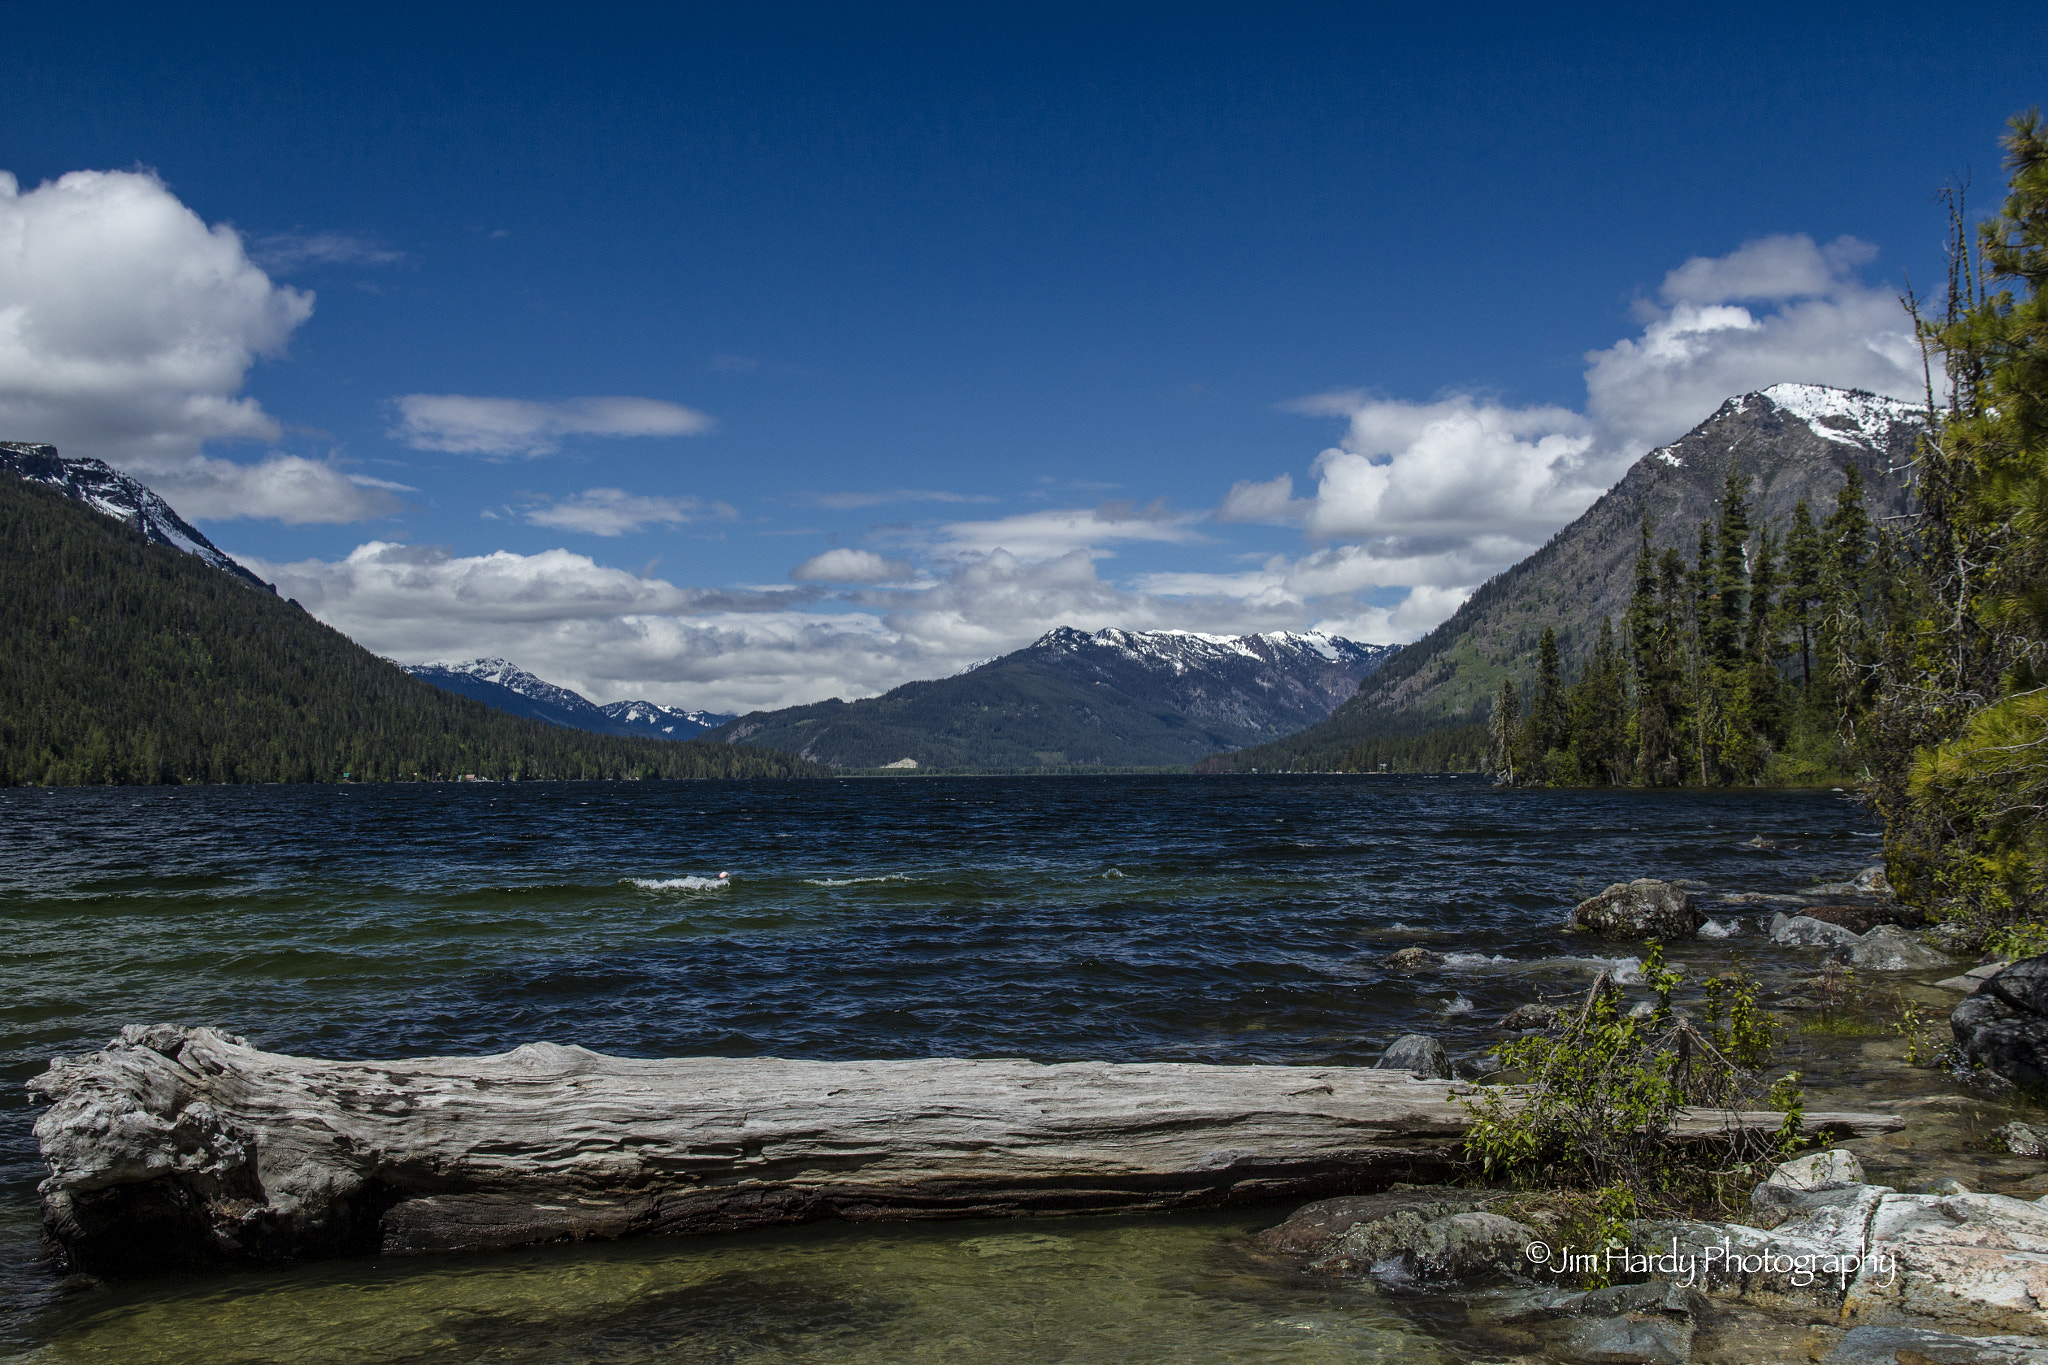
(642, 716)
(508, 687)
(1079, 699)
(106, 489)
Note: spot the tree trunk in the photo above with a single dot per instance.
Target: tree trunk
(182, 1146)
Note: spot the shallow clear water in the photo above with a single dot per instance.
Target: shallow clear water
(1125, 918)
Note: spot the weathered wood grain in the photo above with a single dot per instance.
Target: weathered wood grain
(183, 1146)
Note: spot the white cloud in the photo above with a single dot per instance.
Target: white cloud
(284, 487)
(848, 501)
(1271, 502)
(613, 634)
(1045, 535)
(852, 566)
(127, 326)
(615, 512)
(505, 427)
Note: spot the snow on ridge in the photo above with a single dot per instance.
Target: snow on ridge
(1869, 415)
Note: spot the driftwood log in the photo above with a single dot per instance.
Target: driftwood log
(177, 1146)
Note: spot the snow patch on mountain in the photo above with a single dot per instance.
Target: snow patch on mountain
(1183, 651)
(106, 489)
(1853, 417)
(507, 686)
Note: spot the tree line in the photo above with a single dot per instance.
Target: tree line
(1747, 663)
(127, 662)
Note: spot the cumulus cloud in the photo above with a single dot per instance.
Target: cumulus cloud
(285, 488)
(518, 427)
(1709, 340)
(127, 325)
(852, 566)
(613, 634)
(1439, 496)
(1050, 533)
(615, 512)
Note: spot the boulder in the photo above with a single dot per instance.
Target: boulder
(1804, 931)
(1419, 1054)
(1313, 1229)
(1888, 948)
(1523, 1018)
(1891, 1345)
(1413, 960)
(1456, 1247)
(2003, 1027)
(2024, 1139)
(1818, 1180)
(1641, 909)
(1423, 1234)
(1871, 881)
(1862, 918)
(1630, 1340)
(1956, 937)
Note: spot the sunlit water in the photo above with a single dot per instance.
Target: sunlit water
(1222, 920)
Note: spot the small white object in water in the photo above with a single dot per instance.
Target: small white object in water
(1713, 928)
(1458, 1004)
(718, 883)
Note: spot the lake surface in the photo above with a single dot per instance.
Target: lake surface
(1224, 920)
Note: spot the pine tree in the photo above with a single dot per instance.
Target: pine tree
(1504, 733)
(1802, 599)
(1549, 725)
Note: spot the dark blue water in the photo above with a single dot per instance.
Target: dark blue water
(1122, 918)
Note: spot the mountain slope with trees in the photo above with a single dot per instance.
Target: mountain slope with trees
(1784, 445)
(128, 661)
(1111, 699)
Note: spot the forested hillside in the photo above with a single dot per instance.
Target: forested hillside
(124, 661)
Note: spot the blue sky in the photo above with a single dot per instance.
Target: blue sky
(744, 357)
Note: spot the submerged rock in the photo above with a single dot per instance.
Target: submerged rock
(2024, 1139)
(1423, 1234)
(1313, 1229)
(1523, 1018)
(1888, 948)
(1418, 1053)
(1891, 1345)
(1804, 931)
(1413, 960)
(1641, 909)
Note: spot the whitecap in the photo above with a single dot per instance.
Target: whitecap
(1458, 1004)
(856, 881)
(1472, 960)
(681, 883)
(1623, 971)
(1113, 872)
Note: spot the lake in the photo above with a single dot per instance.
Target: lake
(1225, 920)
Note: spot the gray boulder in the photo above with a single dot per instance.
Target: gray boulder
(1641, 909)
(2024, 1139)
(1888, 948)
(1819, 1180)
(2003, 1028)
(1419, 1053)
(1425, 1234)
(1630, 1340)
(1871, 881)
(1890, 1345)
(1522, 1018)
(1458, 1247)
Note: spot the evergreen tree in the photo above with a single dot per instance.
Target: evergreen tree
(1802, 598)
(1549, 725)
(1599, 714)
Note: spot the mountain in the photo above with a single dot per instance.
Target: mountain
(510, 688)
(1111, 699)
(106, 489)
(129, 661)
(1787, 442)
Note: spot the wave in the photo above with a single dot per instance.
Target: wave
(1714, 928)
(681, 883)
(1458, 1004)
(856, 881)
(1473, 960)
(1624, 971)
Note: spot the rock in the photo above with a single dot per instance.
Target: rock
(1761, 898)
(1820, 1180)
(2006, 1042)
(1948, 1185)
(1641, 909)
(2024, 985)
(1984, 971)
(1920, 1346)
(1872, 882)
(1522, 1018)
(1413, 960)
(1861, 919)
(1888, 948)
(1630, 1341)
(1455, 1247)
(1964, 985)
(1818, 1171)
(1313, 1229)
(2024, 1139)
(1418, 1054)
(2003, 1027)
(1658, 1296)
(1804, 931)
